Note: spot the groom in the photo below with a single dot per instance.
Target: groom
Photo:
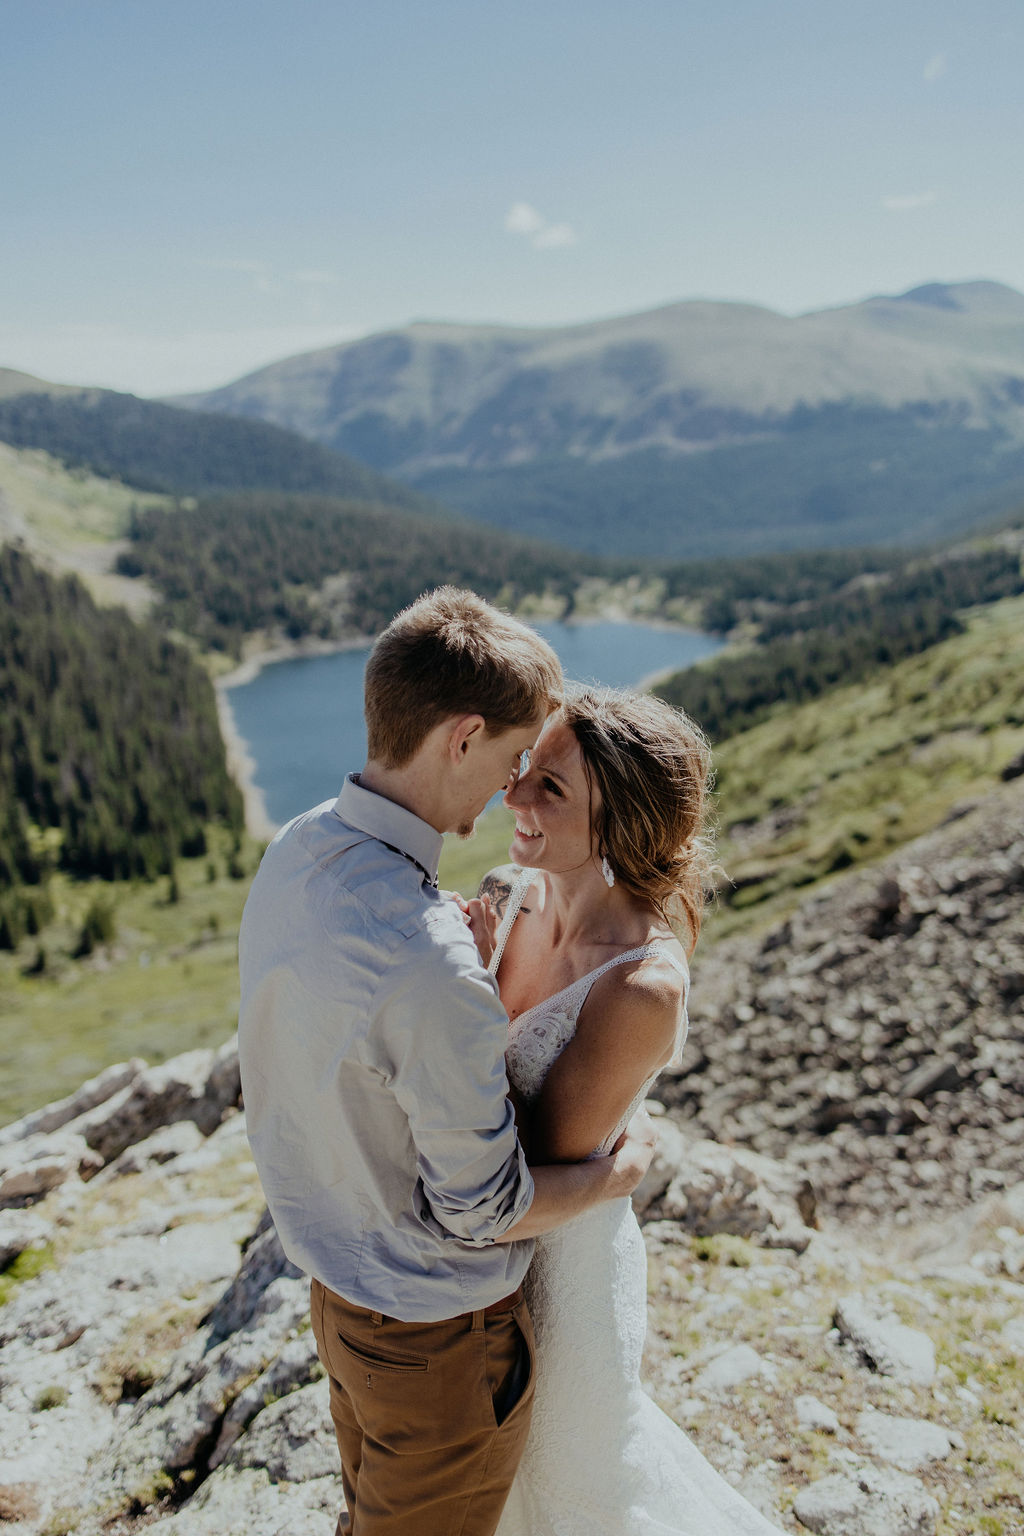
(372, 1049)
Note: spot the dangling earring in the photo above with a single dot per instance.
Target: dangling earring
(607, 871)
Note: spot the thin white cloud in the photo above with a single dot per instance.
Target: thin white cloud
(264, 278)
(905, 202)
(235, 264)
(523, 219)
(554, 235)
(315, 277)
(936, 67)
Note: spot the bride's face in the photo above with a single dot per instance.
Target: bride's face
(553, 804)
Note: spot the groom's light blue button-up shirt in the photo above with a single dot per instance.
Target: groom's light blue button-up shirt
(372, 1050)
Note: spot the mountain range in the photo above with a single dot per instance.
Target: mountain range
(695, 429)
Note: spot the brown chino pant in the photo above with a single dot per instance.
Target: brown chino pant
(431, 1418)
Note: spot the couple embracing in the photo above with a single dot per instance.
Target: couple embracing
(442, 1096)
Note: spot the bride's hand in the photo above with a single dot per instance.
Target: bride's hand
(481, 919)
(634, 1150)
(483, 924)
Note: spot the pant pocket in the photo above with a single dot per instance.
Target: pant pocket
(510, 1363)
(381, 1360)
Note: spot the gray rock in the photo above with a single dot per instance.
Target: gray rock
(669, 1156)
(871, 1501)
(729, 1369)
(179, 1422)
(224, 1083)
(263, 1262)
(813, 1414)
(242, 1501)
(31, 1167)
(20, 1230)
(162, 1146)
(1012, 1336)
(907, 1443)
(175, 1090)
(729, 1189)
(884, 1344)
(52, 1116)
(293, 1438)
(295, 1367)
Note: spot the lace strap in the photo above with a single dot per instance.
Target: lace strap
(516, 897)
(580, 989)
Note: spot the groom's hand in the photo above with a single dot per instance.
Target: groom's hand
(632, 1153)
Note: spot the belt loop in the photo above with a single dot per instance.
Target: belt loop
(376, 1318)
(478, 1322)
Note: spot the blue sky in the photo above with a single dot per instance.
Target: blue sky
(191, 188)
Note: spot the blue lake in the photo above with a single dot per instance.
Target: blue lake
(302, 720)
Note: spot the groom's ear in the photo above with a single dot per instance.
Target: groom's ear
(462, 733)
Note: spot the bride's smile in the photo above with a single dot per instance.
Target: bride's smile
(554, 804)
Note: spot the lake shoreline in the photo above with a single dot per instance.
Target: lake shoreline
(241, 764)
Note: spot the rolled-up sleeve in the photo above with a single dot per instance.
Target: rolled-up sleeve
(444, 1032)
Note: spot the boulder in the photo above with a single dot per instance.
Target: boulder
(165, 1144)
(907, 1443)
(884, 1344)
(20, 1229)
(293, 1438)
(813, 1414)
(715, 1189)
(31, 1167)
(868, 1501)
(730, 1369)
(263, 1262)
(157, 1096)
(243, 1501)
(96, 1091)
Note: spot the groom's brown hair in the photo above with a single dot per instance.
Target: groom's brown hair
(452, 653)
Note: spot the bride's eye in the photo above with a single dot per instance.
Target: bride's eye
(550, 784)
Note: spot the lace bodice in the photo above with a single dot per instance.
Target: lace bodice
(539, 1036)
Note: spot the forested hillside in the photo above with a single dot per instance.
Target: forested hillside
(836, 637)
(161, 448)
(315, 565)
(111, 759)
(834, 478)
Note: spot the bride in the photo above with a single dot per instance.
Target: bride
(608, 852)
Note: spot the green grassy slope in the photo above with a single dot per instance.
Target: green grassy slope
(167, 982)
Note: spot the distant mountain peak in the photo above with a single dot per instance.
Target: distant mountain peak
(978, 295)
(937, 295)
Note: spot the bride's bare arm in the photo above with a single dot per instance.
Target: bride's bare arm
(627, 1030)
(564, 1191)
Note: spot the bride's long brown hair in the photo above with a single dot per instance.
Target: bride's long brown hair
(652, 765)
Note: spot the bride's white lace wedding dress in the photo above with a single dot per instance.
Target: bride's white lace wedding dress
(601, 1459)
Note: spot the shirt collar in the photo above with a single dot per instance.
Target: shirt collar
(390, 824)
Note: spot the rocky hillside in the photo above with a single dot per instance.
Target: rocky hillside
(876, 1038)
(692, 430)
(839, 1325)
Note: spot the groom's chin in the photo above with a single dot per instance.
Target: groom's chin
(465, 830)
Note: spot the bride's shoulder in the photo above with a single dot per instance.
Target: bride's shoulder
(656, 983)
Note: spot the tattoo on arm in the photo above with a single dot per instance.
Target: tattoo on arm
(498, 890)
(497, 884)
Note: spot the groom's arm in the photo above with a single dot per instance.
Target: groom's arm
(564, 1190)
